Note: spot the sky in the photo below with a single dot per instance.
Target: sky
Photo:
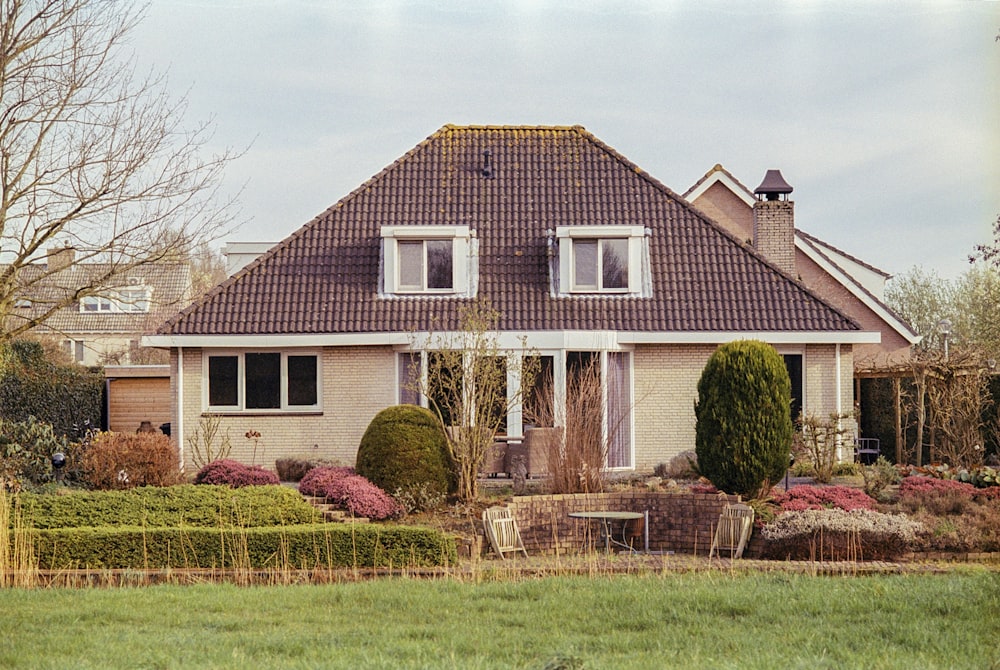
(884, 117)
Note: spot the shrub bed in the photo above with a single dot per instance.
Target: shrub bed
(125, 460)
(174, 506)
(291, 547)
(803, 497)
(836, 534)
(233, 473)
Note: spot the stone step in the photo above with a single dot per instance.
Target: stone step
(331, 513)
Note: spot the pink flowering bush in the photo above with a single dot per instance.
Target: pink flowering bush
(351, 491)
(937, 496)
(317, 481)
(233, 473)
(803, 497)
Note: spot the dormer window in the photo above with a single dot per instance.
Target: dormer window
(602, 259)
(131, 299)
(428, 260)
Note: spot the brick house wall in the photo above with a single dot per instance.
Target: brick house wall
(666, 387)
(680, 522)
(357, 383)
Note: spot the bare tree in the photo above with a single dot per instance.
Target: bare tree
(466, 387)
(93, 157)
(949, 400)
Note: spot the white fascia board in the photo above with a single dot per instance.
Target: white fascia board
(553, 340)
(848, 282)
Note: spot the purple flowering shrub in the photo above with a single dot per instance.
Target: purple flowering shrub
(233, 473)
(317, 481)
(803, 497)
(343, 487)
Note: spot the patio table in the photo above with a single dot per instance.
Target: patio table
(608, 519)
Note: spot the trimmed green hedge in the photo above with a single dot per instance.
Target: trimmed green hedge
(293, 547)
(170, 507)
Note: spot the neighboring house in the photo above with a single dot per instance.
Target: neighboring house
(104, 328)
(582, 253)
(851, 285)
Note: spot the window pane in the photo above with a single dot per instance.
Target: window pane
(263, 381)
(409, 379)
(793, 363)
(222, 386)
(614, 259)
(585, 263)
(539, 398)
(302, 381)
(411, 261)
(619, 411)
(439, 263)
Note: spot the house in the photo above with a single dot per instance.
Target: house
(103, 328)
(581, 252)
(851, 285)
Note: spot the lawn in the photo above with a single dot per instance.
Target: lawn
(675, 621)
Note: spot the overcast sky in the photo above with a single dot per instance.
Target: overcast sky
(884, 117)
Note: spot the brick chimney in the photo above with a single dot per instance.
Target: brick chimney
(59, 258)
(774, 222)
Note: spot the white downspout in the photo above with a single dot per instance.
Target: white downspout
(840, 405)
(179, 430)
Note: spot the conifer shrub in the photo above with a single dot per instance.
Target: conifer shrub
(403, 450)
(124, 460)
(744, 428)
(233, 473)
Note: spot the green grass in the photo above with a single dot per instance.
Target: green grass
(671, 621)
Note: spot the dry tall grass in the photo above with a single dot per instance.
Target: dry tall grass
(18, 563)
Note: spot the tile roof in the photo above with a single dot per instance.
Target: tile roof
(324, 277)
(170, 284)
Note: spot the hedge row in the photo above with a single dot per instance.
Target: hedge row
(292, 547)
(169, 507)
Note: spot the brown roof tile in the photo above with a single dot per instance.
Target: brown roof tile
(324, 277)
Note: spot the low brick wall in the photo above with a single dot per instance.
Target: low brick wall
(678, 522)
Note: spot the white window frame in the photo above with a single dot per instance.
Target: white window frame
(567, 235)
(462, 259)
(240, 405)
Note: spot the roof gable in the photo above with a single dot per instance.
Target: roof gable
(324, 277)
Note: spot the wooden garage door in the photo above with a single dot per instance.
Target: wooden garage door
(132, 401)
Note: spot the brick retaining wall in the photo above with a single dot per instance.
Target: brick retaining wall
(678, 522)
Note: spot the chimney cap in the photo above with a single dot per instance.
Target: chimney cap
(773, 185)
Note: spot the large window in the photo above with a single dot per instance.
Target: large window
(601, 259)
(427, 260)
(262, 381)
(426, 265)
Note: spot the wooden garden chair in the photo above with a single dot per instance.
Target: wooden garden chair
(733, 531)
(501, 529)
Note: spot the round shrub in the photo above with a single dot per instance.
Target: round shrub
(744, 427)
(233, 473)
(403, 450)
(318, 480)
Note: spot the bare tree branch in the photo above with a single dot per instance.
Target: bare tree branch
(92, 156)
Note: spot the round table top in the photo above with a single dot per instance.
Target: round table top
(606, 514)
